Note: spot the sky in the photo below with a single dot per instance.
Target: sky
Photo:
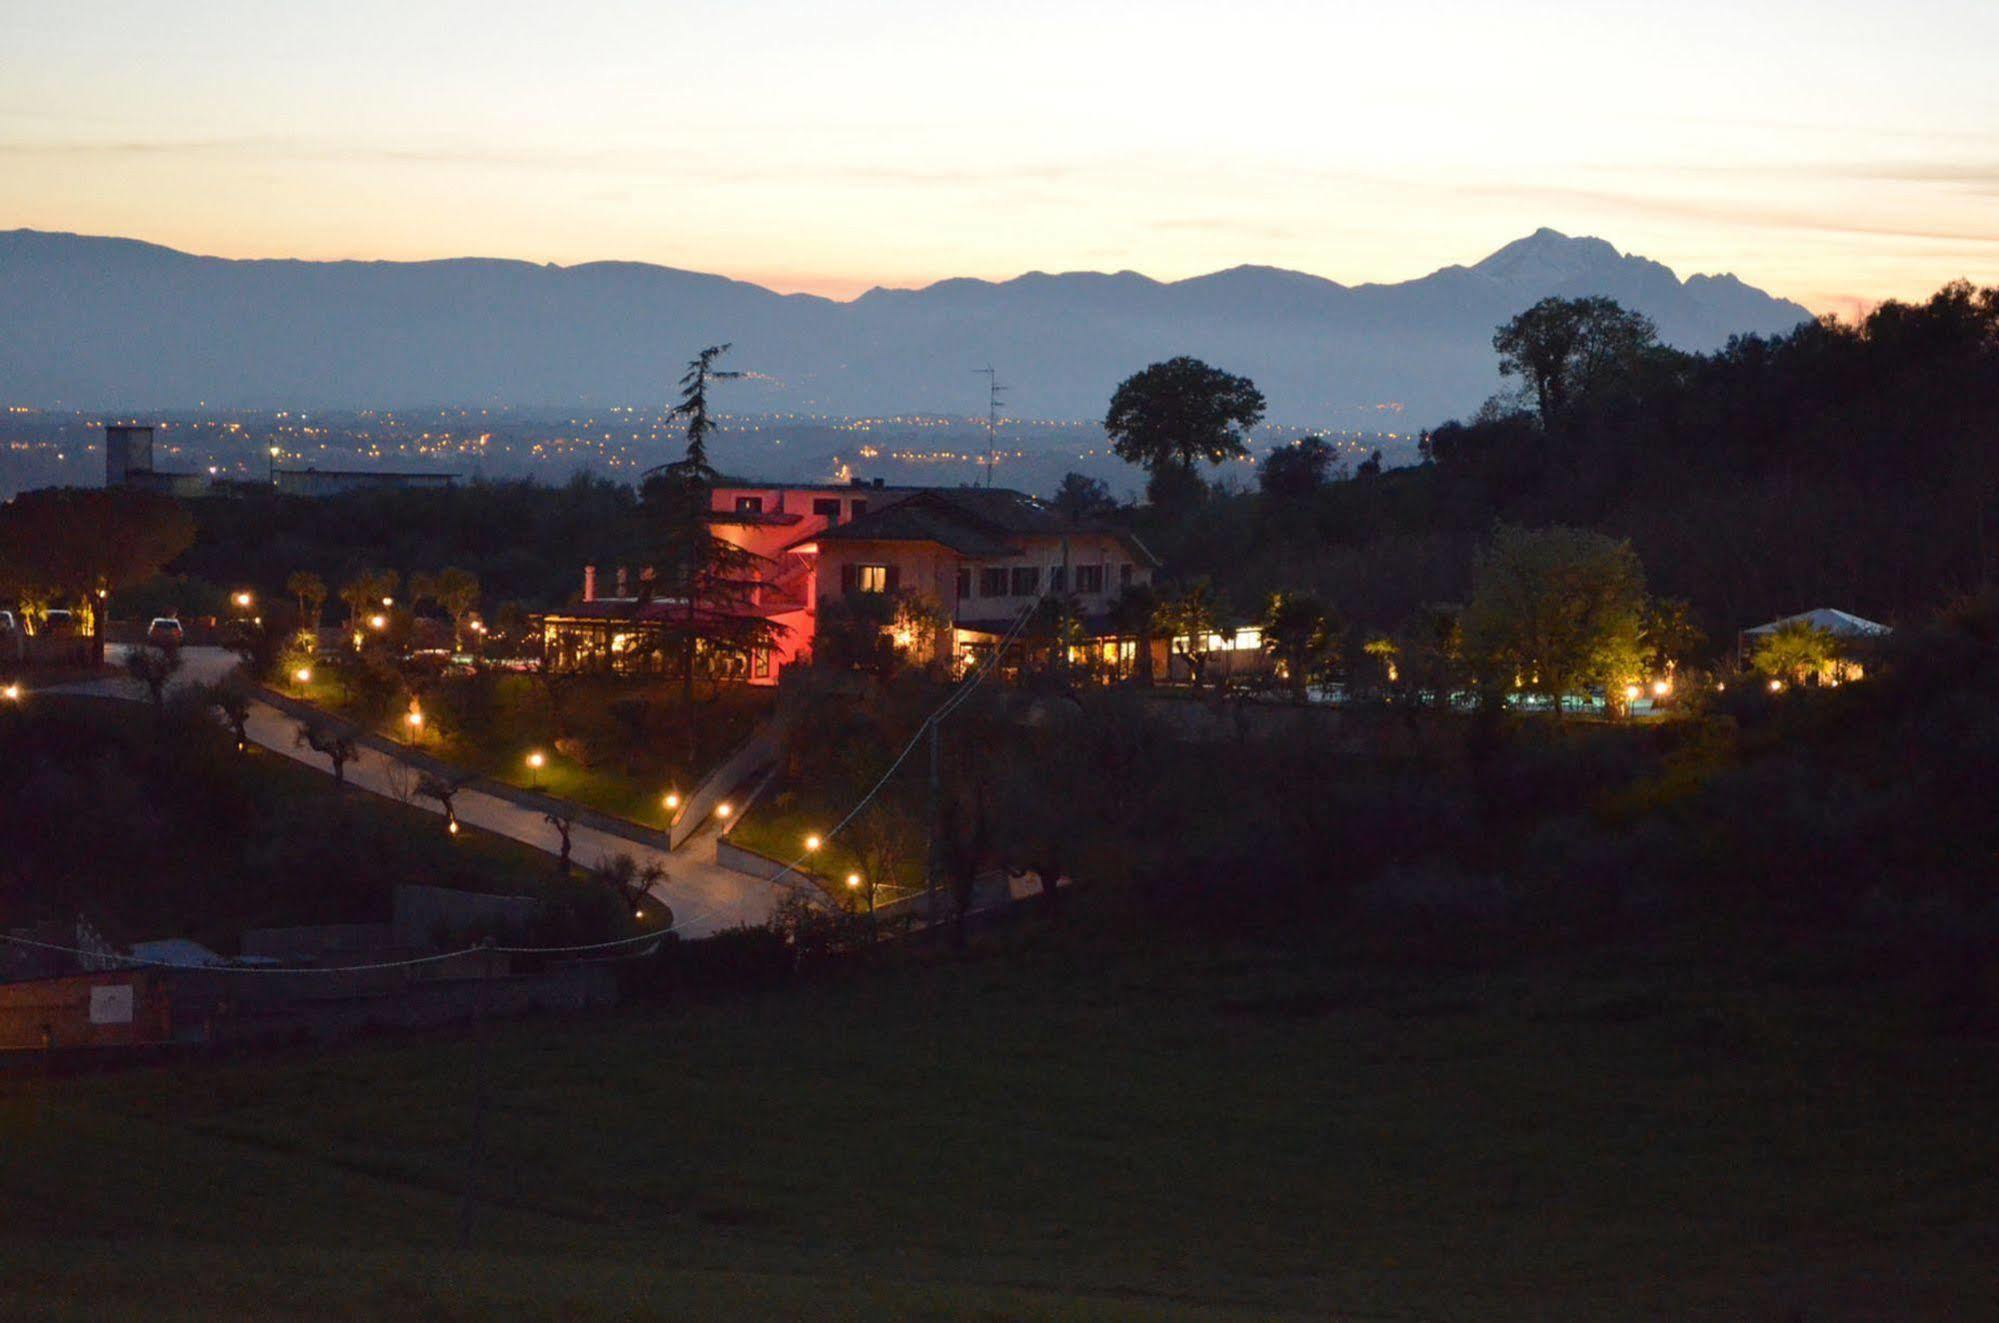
(1835, 153)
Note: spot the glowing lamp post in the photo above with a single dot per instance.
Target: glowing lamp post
(535, 761)
(12, 693)
(303, 675)
(812, 843)
(242, 600)
(672, 801)
(723, 810)
(414, 720)
(378, 622)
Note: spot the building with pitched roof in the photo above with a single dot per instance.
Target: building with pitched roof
(929, 572)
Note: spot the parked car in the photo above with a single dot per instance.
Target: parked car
(58, 623)
(164, 632)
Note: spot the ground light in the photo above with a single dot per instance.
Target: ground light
(535, 761)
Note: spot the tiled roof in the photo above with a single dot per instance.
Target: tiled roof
(972, 521)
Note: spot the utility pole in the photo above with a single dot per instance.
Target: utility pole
(936, 835)
(993, 389)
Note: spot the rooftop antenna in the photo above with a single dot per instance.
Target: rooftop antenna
(993, 389)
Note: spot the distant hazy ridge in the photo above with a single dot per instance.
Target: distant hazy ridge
(115, 323)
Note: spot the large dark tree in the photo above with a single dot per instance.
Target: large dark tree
(1174, 415)
(1566, 350)
(693, 407)
(1297, 470)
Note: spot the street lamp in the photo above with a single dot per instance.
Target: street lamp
(535, 760)
(1660, 688)
(672, 800)
(723, 810)
(378, 622)
(812, 842)
(12, 693)
(415, 719)
(243, 600)
(275, 452)
(303, 675)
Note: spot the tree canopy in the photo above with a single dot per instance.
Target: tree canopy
(1174, 415)
(1554, 610)
(1565, 350)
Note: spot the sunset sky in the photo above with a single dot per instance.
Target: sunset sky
(1830, 152)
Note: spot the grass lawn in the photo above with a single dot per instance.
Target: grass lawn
(624, 753)
(1046, 1133)
(777, 825)
(201, 840)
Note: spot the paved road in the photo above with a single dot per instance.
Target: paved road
(705, 897)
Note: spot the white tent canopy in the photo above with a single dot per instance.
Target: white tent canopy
(1840, 624)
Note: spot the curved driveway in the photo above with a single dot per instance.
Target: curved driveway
(704, 896)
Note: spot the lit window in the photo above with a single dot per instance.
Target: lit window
(871, 578)
(749, 505)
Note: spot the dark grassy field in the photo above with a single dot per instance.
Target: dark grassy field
(1045, 1135)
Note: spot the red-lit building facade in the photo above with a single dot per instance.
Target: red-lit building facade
(968, 561)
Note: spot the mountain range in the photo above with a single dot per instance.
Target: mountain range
(107, 323)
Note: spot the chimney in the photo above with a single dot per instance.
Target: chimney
(589, 583)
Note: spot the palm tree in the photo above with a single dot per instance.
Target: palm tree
(310, 592)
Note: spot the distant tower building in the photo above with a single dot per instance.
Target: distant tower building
(127, 451)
